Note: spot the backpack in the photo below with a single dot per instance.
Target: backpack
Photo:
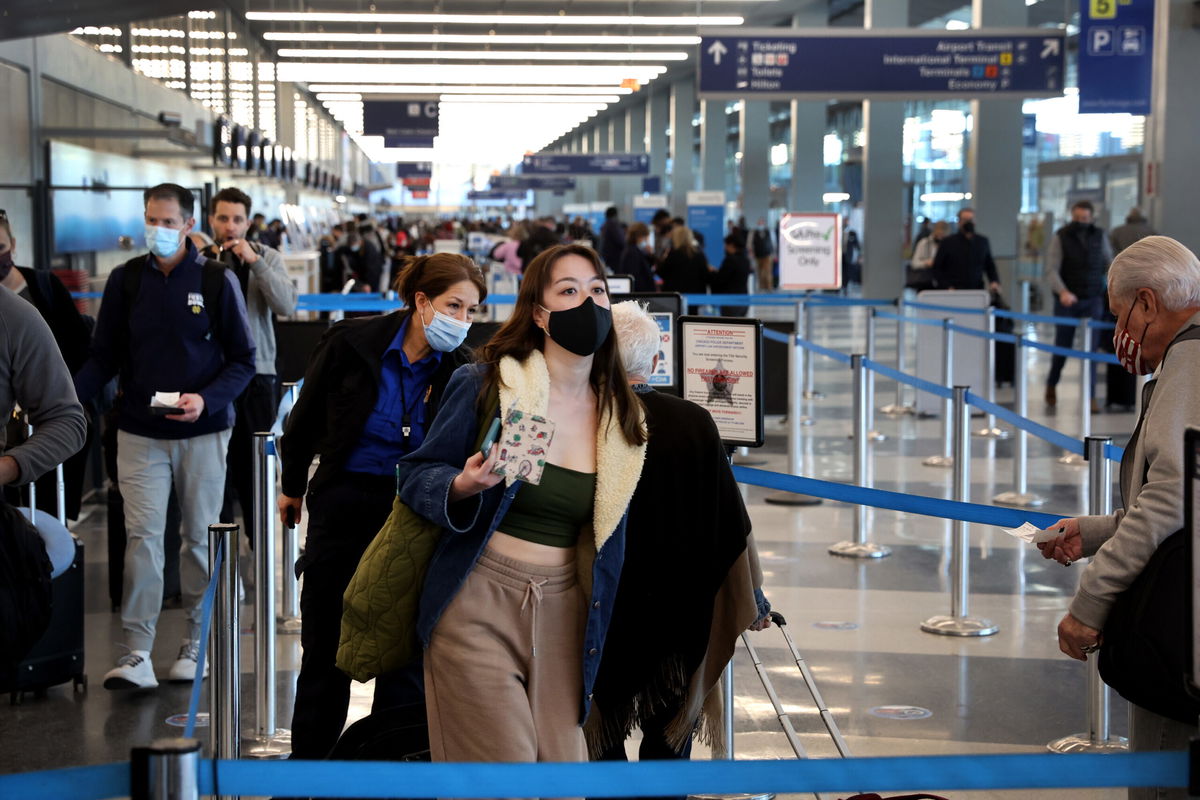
(25, 598)
(211, 284)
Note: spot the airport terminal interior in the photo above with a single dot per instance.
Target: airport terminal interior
(403, 128)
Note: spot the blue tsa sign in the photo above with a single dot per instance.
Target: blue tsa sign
(784, 63)
(402, 123)
(1116, 43)
(579, 164)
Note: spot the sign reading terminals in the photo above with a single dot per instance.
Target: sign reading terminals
(810, 251)
(721, 362)
(781, 63)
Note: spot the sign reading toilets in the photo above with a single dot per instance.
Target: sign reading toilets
(810, 251)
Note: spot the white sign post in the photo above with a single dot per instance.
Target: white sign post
(810, 251)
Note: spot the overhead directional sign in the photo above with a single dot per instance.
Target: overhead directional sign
(586, 164)
(555, 183)
(402, 123)
(492, 194)
(1116, 56)
(785, 63)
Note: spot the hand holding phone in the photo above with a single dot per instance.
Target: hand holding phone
(490, 438)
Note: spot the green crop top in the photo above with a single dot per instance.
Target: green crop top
(553, 512)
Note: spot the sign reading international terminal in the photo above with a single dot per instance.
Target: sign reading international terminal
(785, 63)
(586, 164)
(810, 251)
(721, 365)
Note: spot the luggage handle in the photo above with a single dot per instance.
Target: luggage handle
(60, 488)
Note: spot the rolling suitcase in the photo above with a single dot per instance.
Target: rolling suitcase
(57, 657)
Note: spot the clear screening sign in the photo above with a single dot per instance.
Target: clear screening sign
(1116, 58)
(721, 360)
(810, 251)
(785, 63)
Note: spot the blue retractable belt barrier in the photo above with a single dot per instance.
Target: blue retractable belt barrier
(998, 337)
(894, 501)
(739, 300)
(1067, 321)
(1099, 358)
(937, 307)
(911, 380)
(823, 351)
(618, 779)
(206, 609)
(1041, 431)
(86, 295)
(776, 336)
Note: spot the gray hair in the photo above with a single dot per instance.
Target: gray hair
(1161, 264)
(637, 336)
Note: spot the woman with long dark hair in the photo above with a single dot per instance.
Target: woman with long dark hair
(519, 592)
(371, 392)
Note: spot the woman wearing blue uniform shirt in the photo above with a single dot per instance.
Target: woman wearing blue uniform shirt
(371, 391)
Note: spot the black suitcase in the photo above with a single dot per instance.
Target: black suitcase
(399, 733)
(1006, 354)
(58, 656)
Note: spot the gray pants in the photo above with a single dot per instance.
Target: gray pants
(146, 469)
(1149, 732)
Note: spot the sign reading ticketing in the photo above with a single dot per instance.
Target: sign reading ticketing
(784, 63)
(586, 164)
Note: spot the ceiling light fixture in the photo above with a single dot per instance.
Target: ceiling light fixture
(408, 89)
(606, 20)
(486, 55)
(483, 38)
(302, 72)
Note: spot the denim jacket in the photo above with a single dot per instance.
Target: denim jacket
(425, 476)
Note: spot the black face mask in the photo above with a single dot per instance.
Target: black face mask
(968, 227)
(6, 264)
(582, 329)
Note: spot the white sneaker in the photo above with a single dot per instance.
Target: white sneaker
(184, 668)
(133, 671)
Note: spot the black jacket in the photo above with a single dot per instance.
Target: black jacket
(683, 273)
(341, 386)
(612, 242)
(52, 300)
(962, 262)
(733, 276)
(540, 238)
(635, 264)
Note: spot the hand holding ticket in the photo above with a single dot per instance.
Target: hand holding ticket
(1033, 535)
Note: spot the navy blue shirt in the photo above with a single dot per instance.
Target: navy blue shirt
(173, 347)
(403, 396)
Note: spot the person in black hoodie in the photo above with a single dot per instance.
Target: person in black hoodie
(371, 392)
(734, 275)
(635, 258)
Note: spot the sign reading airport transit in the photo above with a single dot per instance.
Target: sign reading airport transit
(785, 63)
(586, 164)
(721, 361)
(810, 251)
(556, 183)
(1116, 44)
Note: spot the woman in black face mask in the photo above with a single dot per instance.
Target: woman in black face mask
(511, 636)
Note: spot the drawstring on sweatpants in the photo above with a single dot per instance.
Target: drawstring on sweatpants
(533, 590)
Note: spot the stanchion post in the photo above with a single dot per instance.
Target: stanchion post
(289, 612)
(169, 769)
(796, 359)
(727, 687)
(60, 493)
(268, 741)
(860, 547)
(872, 434)
(810, 390)
(960, 622)
(224, 689)
(989, 429)
(1099, 738)
(1025, 291)
(1020, 494)
(899, 408)
(1085, 395)
(946, 459)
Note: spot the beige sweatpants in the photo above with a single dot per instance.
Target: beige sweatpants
(504, 667)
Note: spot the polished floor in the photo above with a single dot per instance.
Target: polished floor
(892, 688)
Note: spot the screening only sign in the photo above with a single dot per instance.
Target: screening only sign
(810, 251)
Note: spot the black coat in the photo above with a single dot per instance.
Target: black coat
(635, 264)
(52, 300)
(732, 278)
(612, 242)
(341, 386)
(961, 263)
(683, 273)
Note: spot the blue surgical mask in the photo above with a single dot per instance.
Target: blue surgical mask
(163, 242)
(445, 333)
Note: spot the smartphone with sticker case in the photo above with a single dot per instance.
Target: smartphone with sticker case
(524, 445)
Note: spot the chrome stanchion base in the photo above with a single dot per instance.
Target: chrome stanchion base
(894, 410)
(959, 626)
(859, 550)
(276, 747)
(289, 625)
(939, 461)
(1023, 500)
(1081, 743)
(805, 421)
(991, 433)
(876, 436)
(1073, 460)
(813, 395)
(792, 499)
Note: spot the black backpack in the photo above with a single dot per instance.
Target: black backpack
(25, 598)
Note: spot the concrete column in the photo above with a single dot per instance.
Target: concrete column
(994, 157)
(657, 119)
(755, 144)
(714, 136)
(808, 117)
(683, 140)
(635, 127)
(1172, 171)
(623, 188)
(883, 173)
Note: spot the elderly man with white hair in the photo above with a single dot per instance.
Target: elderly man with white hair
(689, 556)
(1154, 292)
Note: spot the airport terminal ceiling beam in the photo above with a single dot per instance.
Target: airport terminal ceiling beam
(46, 17)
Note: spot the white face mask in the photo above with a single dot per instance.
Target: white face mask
(162, 242)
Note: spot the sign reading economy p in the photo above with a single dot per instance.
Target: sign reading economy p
(810, 251)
